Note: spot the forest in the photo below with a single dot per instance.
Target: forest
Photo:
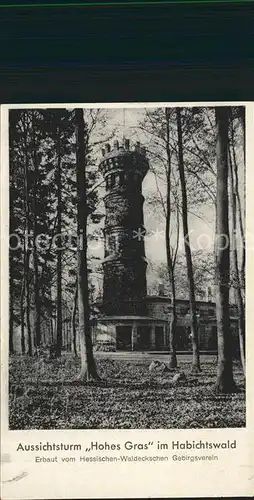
(57, 378)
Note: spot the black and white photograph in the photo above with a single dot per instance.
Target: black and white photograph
(127, 267)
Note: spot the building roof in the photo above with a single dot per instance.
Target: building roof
(131, 318)
(166, 298)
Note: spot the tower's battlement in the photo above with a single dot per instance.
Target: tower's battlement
(121, 158)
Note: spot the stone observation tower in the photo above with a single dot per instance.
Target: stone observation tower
(124, 266)
(126, 318)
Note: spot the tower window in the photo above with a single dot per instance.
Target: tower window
(112, 243)
(110, 181)
(113, 180)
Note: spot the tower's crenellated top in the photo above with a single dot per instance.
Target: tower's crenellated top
(122, 157)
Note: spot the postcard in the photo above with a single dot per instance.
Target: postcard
(126, 300)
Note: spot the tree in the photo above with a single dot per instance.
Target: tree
(234, 113)
(193, 315)
(88, 366)
(171, 257)
(238, 277)
(22, 312)
(35, 155)
(11, 307)
(19, 220)
(225, 382)
(59, 147)
(27, 231)
(59, 251)
(158, 125)
(73, 320)
(59, 124)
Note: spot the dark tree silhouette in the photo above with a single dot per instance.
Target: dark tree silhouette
(225, 382)
(88, 366)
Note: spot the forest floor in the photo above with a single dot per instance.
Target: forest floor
(129, 396)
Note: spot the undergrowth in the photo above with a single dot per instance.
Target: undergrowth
(42, 395)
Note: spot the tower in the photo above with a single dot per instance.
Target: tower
(124, 265)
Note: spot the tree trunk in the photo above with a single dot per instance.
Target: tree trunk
(26, 249)
(11, 306)
(37, 302)
(225, 382)
(170, 263)
(73, 319)
(242, 111)
(173, 324)
(22, 295)
(28, 308)
(51, 330)
(27, 295)
(173, 321)
(193, 315)
(238, 205)
(37, 312)
(59, 325)
(22, 316)
(88, 366)
(237, 281)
